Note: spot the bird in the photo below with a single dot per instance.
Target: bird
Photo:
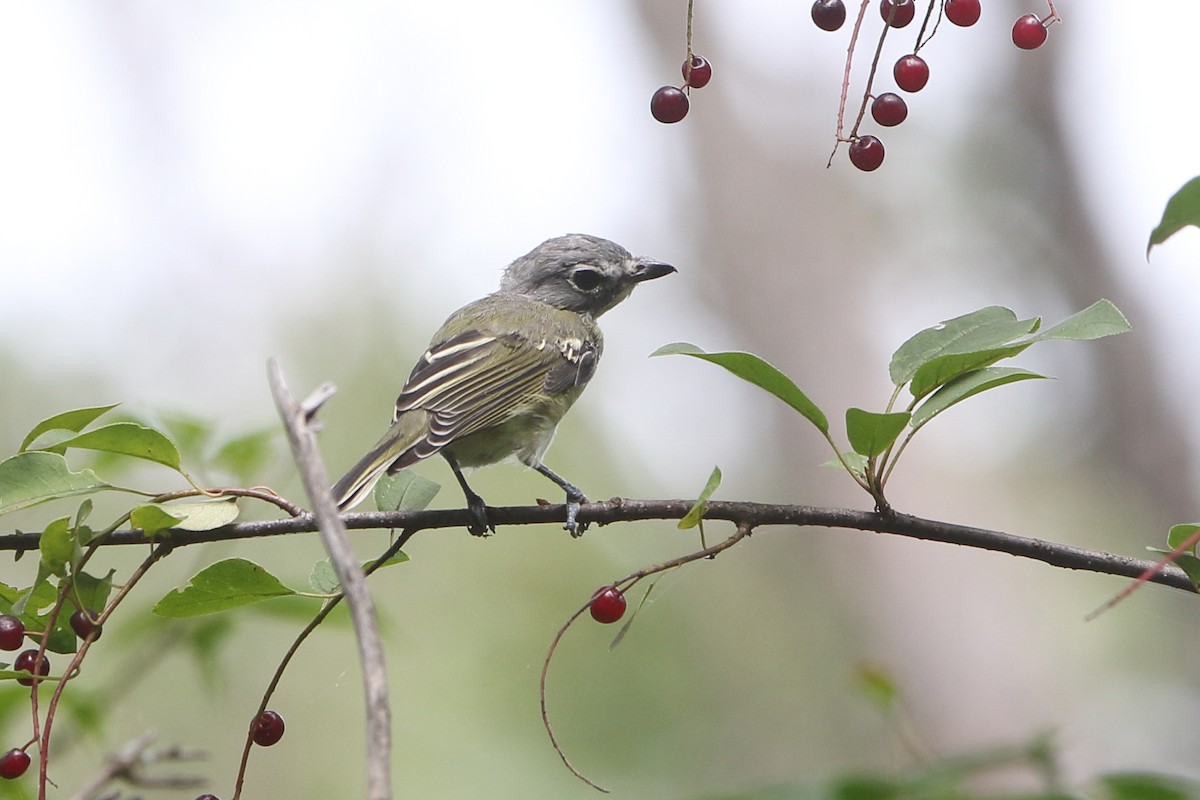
(501, 372)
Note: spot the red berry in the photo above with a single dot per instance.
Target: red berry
(911, 73)
(889, 109)
(208, 797)
(84, 624)
(828, 14)
(12, 632)
(13, 764)
(28, 661)
(866, 153)
(607, 605)
(697, 72)
(267, 728)
(963, 13)
(1028, 32)
(905, 10)
(669, 104)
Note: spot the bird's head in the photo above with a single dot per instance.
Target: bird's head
(580, 273)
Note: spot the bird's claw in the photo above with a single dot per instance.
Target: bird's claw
(480, 524)
(572, 526)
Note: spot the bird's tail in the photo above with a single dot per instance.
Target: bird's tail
(395, 451)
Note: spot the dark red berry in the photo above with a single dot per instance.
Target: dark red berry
(13, 764)
(911, 73)
(12, 632)
(963, 13)
(607, 605)
(84, 624)
(866, 153)
(889, 109)
(28, 661)
(669, 104)
(208, 797)
(267, 728)
(828, 14)
(1028, 32)
(697, 72)
(903, 14)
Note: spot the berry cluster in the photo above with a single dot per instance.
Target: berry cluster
(910, 72)
(670, 103)
(15, 762)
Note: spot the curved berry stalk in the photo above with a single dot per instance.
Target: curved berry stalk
(619, 588)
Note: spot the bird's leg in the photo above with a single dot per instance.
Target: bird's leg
(574, 498)
(480, 525)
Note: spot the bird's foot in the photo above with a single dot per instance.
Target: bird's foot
(480, 524)
(574, 527)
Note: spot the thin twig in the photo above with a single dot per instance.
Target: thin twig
(743, 530)
(297, 419)
(628, 510)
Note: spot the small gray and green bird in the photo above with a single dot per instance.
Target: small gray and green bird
(502, 371)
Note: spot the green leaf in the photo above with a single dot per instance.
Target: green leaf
(58, 546)
(986, 329)
(943, 369)
(870, 434)
(1180, 534)
(227, 584)
(693, 517)
(405, 491)
(91, 592)
(856, 463)
(126, 438)
(204, 515)
(1098, 320)
(1148, 786)
(151, 519)
(1182, 209)
(73, 421)
(323, 579)
(755, 370)
(34, 477)
(963, 387)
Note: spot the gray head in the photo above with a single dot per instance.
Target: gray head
(580, 273)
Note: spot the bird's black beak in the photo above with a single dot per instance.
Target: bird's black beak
(648, 270)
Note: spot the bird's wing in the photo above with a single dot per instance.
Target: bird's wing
(474, 380)
(466, 382)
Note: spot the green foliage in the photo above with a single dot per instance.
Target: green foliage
(695, 515)
(33, 477)
(405, 490)
(941, 366)
(755, 370)
(1182, 209)
(226, 584)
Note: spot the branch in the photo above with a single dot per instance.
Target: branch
(628, 510)
(297, 419)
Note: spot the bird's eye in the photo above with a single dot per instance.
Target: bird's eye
(586, 279)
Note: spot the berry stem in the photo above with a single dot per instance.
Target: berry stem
(922, 39)
(744, 529)
(317, 619)
(73, 668)
(689, 31)
(862, 108)
(841, 115)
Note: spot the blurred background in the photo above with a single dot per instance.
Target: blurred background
(188, 189)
